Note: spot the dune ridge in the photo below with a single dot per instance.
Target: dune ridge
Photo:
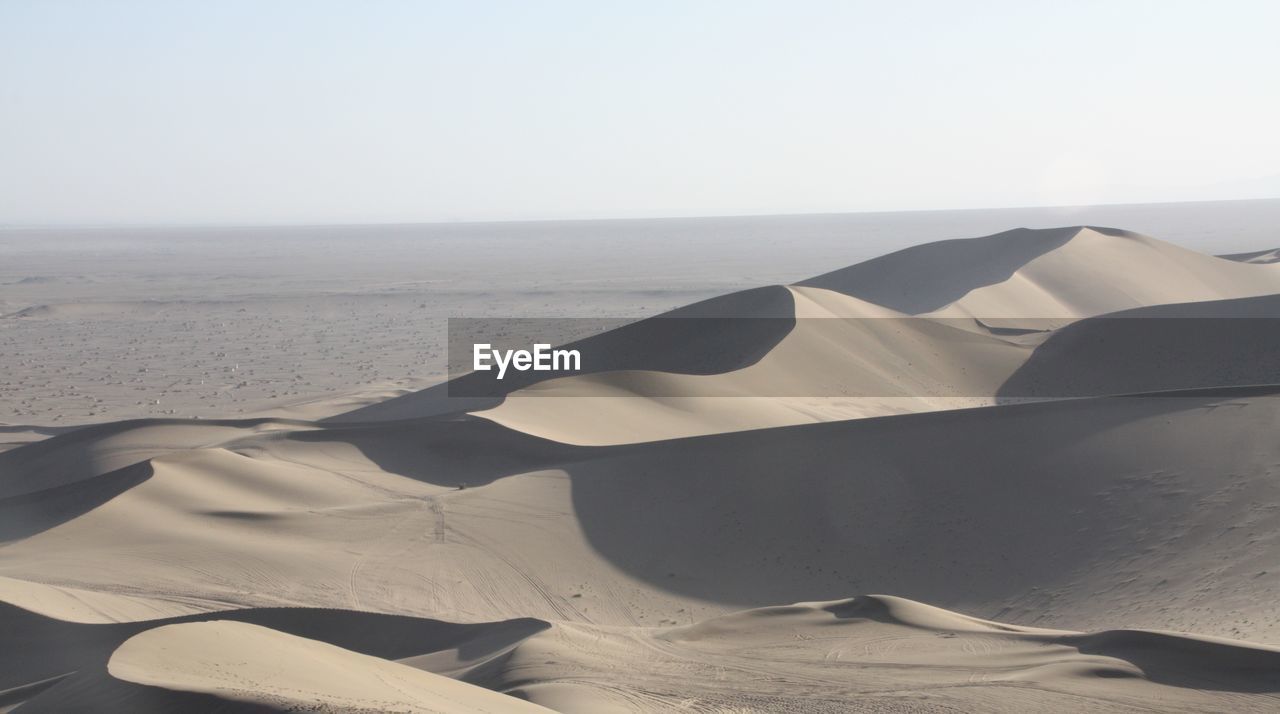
(626, 540)
(849, 356)
(864, 653)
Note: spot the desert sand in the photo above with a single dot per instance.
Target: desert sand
(105, 324)
(925, 328)
(965, 476)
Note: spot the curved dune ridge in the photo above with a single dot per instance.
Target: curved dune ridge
(625, 546)
(940, 326)
(859, 654)
(252, 664)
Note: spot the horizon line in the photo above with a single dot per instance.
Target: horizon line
(609, 219)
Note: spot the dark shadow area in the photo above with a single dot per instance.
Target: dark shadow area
(66, 457)
(719, 335)
(1271, 255)
(926, 277)
(1186, 661)
(1222, 343)
(818, 511)
(455, 451)
(862, 607)
(822, 510)
(910, 504)
(74, 455)
(31, 513)
(672, 345)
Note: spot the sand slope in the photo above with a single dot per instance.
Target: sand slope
(1050, 273)
(621, 540)
(940, 326)
(887, 654)
(1092, 533)
(868, 653)
(55, 666)
(248, 663)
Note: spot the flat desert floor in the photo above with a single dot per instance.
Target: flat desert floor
(985, 461)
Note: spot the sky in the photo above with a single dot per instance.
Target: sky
(310, 111)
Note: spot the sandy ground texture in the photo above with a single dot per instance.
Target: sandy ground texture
(621, 549)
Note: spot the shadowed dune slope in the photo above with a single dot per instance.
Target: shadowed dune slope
(92, 450)
(868, 653)
(620, 540)
(926, 277)
(1257, 256)
(1202, 345)
(1047, 273)
(940, 326)
(1041, 513)
(719, 335)
(844, 359)
(995, 339)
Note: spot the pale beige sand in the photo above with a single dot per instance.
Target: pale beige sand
(887, 654)
(1061, 272)
(865, 654)
(1092, 533)
(252, 664)
(639, 555)
(881, 362)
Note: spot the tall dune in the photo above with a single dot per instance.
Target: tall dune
(955, 325)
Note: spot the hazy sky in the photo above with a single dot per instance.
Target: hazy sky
(366, 110)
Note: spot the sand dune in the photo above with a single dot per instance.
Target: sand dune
(251, 664)
(55, 666)
(1092, 533)
(869, 653)
(965, 334)
(621, 540)
(1051, 273)
(886, 654)
(1153, 349)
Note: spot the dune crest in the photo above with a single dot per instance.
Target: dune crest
(940, 326)
(947, 424)
(866, 653)
(255, 665)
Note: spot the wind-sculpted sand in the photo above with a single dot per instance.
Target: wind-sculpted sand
(973, 425)
(957, 325)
